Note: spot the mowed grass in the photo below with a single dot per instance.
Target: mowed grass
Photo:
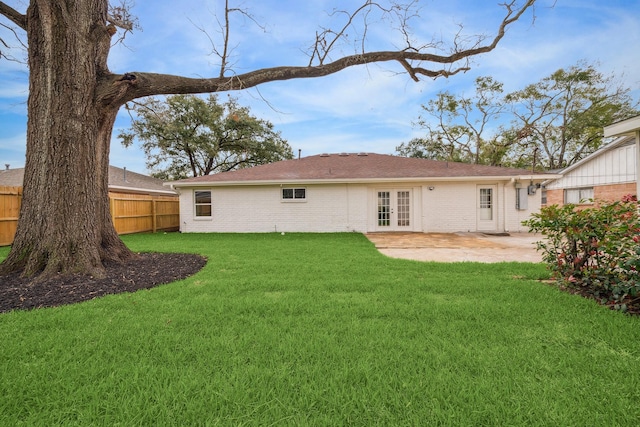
(322, 330)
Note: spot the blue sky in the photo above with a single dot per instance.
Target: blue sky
(369, 108)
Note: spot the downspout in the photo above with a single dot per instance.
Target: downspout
(504, 208)
(638, 164)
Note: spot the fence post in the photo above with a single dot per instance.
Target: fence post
(154, 215)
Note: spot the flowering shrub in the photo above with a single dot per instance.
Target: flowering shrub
(594, 250)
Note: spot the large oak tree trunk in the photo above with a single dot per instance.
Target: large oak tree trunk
(68, 137)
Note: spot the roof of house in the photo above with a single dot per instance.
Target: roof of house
(12, 177)
(358, 167)
(125, 180)
(119, 180)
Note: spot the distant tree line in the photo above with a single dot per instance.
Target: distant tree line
(547, 125)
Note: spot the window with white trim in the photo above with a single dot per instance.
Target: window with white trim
(578, 196)
(294, 194)
(202, 203)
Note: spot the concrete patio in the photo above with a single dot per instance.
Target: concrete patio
(459, 247)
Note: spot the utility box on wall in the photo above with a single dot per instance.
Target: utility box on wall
(522, 199)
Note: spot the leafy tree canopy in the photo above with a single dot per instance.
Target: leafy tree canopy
(550, 124)
(190, 136)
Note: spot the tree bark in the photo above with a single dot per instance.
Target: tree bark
(65, 224)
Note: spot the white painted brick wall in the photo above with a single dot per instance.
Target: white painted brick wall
(335, 208)
(514, 217)
(449, 207)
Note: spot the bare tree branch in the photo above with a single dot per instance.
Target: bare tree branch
(226, 29)
(117, 90)
(10, 57)
(121, 17)
(13, 15)
(5, 46)
(326, 40)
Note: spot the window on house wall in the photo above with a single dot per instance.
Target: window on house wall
(203, 203)
(294, 194)
(578, 195)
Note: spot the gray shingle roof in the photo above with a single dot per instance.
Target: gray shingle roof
(355, 166)
(119, 180)
(12, 177)
(127, 180)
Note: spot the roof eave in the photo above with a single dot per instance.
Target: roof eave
(627, 127)
(141, 190)
(532, 177)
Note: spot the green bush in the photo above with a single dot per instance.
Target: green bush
(593, 250)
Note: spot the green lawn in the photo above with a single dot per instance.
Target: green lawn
(322, 330)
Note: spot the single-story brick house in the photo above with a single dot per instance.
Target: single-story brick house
(362, 192)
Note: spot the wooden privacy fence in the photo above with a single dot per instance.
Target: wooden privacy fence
(137, 213)
(131, 213)
(10, 198)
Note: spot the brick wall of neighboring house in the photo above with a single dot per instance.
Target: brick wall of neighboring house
(555, 197)
(609, 193)
(614, 192)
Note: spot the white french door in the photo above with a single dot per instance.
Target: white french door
(393, 210)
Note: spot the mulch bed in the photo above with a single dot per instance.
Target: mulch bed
(632, 303)
(145, 271)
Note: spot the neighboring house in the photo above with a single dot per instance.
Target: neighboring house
(608, 174)
(361, 192)
(120, 181)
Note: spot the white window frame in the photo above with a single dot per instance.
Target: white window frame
(585, 196)
(486, 201)
(196, 204)
(296, 191)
